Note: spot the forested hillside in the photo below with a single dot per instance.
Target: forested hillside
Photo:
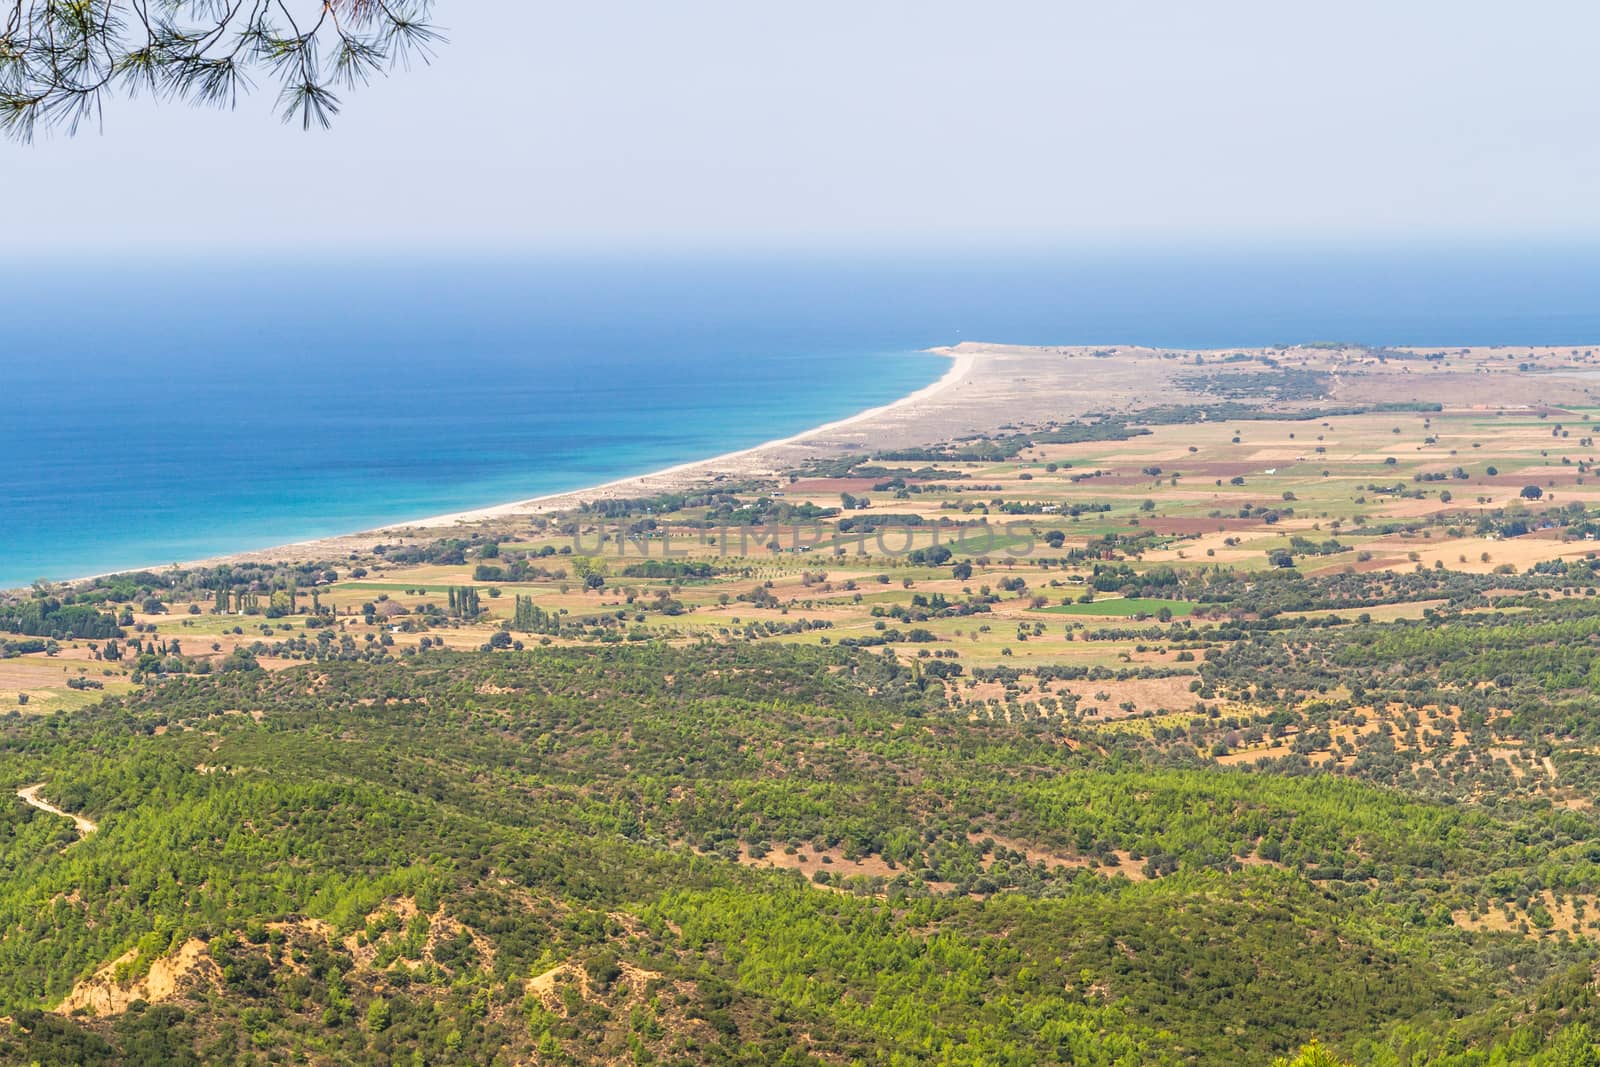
(737, 854)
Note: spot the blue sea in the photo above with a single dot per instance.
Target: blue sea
(161, 410)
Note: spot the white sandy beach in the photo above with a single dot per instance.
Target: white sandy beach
(767, 458)
(988, 388)
(744, 461)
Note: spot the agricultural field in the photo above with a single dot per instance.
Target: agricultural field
(1056, 745)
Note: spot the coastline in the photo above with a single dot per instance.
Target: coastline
(988, 389)
(766, 458)
(961, 365)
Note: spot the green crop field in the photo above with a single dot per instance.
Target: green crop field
(1123, 607)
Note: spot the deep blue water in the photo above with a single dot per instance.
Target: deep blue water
(160, 411)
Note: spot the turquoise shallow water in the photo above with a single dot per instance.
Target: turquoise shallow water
(152, 412)
(204, 427)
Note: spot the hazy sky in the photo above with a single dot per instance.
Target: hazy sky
(890, 122)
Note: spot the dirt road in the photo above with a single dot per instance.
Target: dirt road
(30, 796)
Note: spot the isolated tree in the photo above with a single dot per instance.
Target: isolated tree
(1532, 492)
(1312, 1055)
(60, 59)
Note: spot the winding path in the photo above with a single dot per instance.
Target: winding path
(30, 796)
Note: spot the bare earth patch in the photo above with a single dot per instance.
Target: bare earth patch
(189, 969)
